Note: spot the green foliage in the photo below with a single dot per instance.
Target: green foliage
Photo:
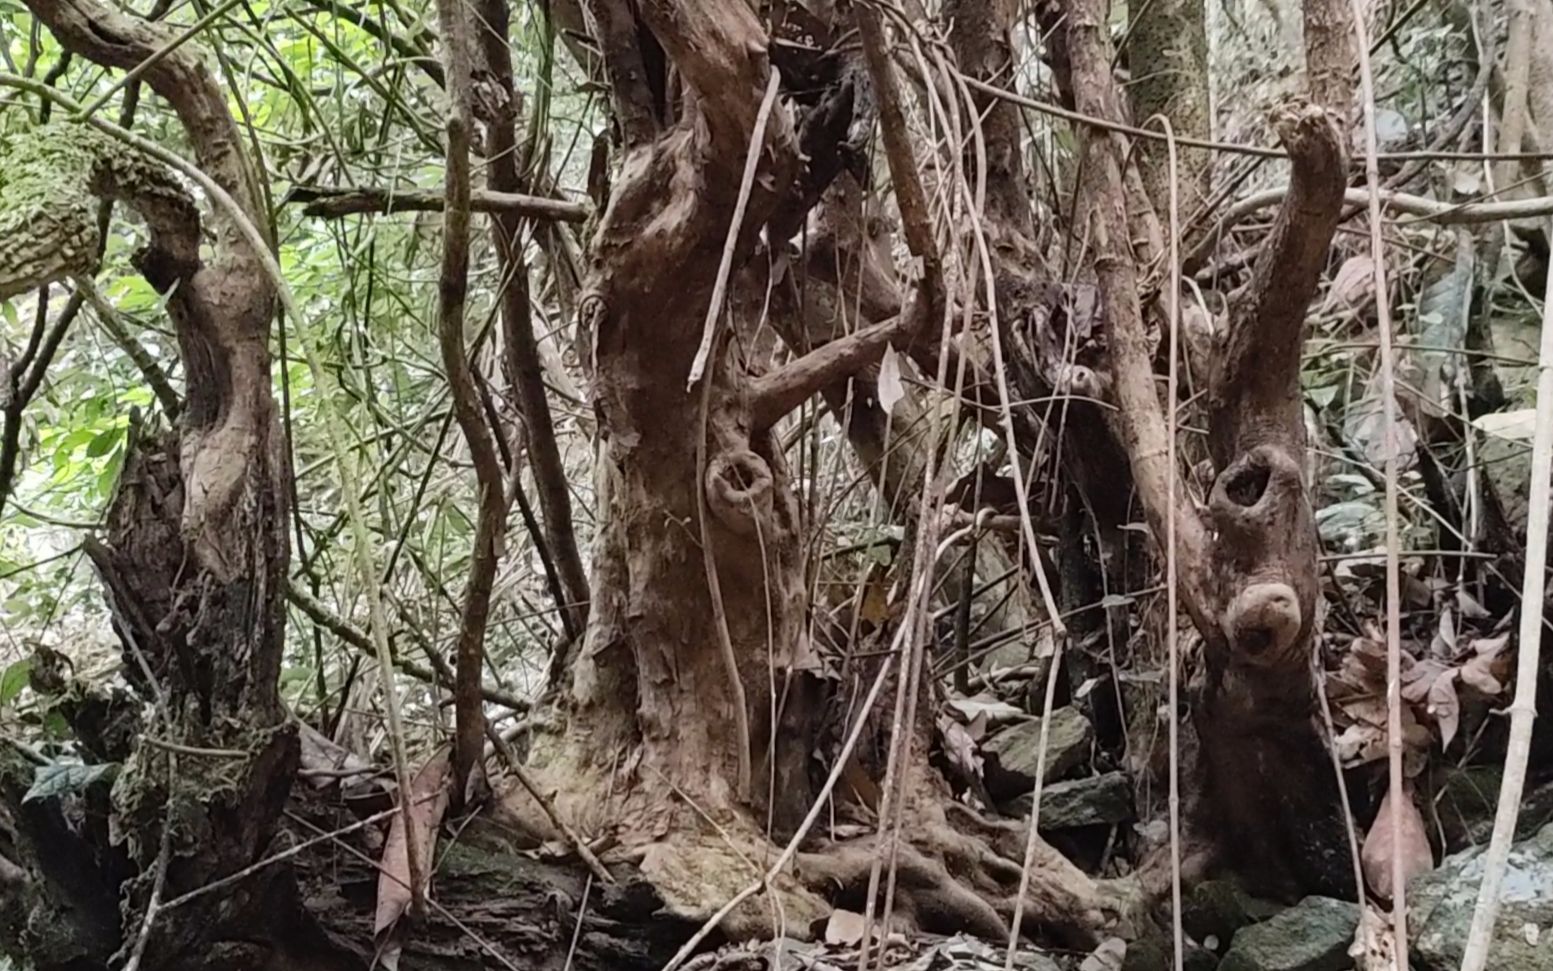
(13, 679)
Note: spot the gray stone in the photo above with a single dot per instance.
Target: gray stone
(1219, 908)
(1094, 800)
(1313, 935)
(1067, 747)
(1441, 904)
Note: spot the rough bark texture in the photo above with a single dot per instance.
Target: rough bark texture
(1266, 761)
(1167, 48)
(193, 560)
(1249, 583)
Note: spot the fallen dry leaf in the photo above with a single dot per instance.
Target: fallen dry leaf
(1383, 844)
(428, 803)
(960, 748)
(891, 388)
(1353, 286)
(1445, 707)
(1107, 957)
(844, 928)
(1487, 670)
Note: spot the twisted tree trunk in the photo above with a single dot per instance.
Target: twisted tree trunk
(195, 552)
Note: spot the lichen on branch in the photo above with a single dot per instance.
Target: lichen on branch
(51, 178)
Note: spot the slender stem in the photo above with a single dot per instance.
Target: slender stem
(1171, 593)
(1523, 710)
(1393, 533)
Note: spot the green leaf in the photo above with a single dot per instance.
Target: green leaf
(104, 442)
(66, 778)
(14, 679)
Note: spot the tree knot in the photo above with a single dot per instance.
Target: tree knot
(1263, 622)
(1254, 492)
(739, 489)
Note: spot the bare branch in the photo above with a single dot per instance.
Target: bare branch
(1255, 390)
(909, 194)
(525, 371)
(1141, 421)
(491, 522)
(329, 203)
(775, 394)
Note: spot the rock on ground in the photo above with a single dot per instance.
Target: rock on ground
(1067, 747)
(1441, 905)
(1313, 935)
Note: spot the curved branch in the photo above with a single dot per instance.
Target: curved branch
(1254, 395)
(180, 76)
(491, 523)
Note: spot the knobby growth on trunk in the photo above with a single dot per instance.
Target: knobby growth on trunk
(737, 269)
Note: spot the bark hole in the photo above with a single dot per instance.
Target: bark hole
(739, 489)
(1245, 484)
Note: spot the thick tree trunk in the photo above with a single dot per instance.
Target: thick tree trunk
(193, 561)
(1249, 583)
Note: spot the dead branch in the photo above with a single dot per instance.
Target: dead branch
(775, 394)
(1407, 204)
(909, 195)
(525, 371)
(329, 203)
(1254, 396)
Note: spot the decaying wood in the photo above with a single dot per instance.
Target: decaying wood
(195, 550)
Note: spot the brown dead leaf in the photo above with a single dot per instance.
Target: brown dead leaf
(1383, 844)
(427, 803)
